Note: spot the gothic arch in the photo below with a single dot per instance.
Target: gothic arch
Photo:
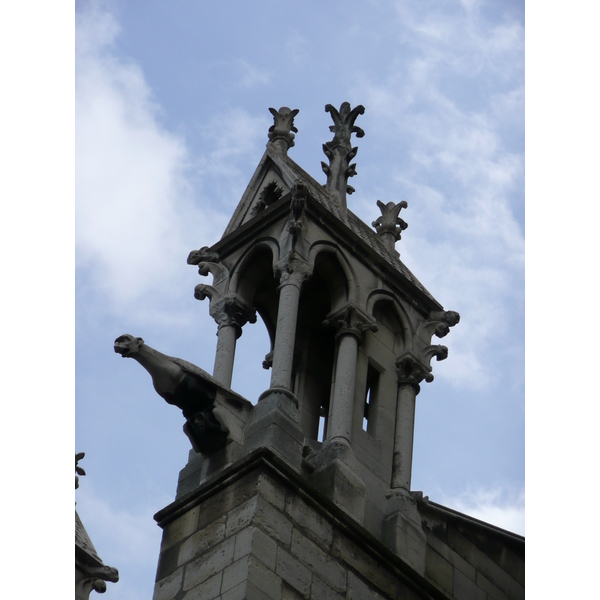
(378, 296)
(351, 282)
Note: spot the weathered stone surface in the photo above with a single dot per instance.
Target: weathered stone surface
(208, 590)
(235, 574)
(439, 570)
(359, 590)
(318, 562)
(314, 525)
(180, 528)
(294, 572)
(208, 564)
(321, 590)
(465, 588)
(168, 587)
(264, 579)
(201, 541)
(273, 523)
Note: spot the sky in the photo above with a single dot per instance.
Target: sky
(171, 119)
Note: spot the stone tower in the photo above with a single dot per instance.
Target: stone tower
(307, 494)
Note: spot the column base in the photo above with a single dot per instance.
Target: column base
(276, 426)
(336, 475)
(402, 530)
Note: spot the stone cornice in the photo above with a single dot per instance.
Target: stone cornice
(266, 459)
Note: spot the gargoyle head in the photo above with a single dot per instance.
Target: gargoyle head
(127, 345)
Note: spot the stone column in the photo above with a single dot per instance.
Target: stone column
(231, 313)
(351, 322)
(292, 271)
(410, 373)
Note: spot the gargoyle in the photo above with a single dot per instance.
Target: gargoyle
(184, 385)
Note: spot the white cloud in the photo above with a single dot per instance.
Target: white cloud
(502, 506)
(127, 540)
(130, 172)
(460, 176)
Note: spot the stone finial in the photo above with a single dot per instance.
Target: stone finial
(389, 225)
(339, 151)
(280, 133)
(78, 469)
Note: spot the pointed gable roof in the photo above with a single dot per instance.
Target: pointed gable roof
(279, 167)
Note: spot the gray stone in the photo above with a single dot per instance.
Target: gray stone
(235, 574)
(209, 564)
(201, 541)
(294, 572)
(168, 588)
(465, 588)
(207, 590)
(264, 579)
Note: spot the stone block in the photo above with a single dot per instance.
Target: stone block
(241, 516)
(364, 564)
(343, 486)
(284, 444)
(209, 564)
(293, 572)
(439, 570)
(318, 562)
(359, 590)
(270, 491)
(208, 590)
(264, 548)
(407, 539)
(484, 564)
(243, 543)
(289, 593)
(273, 522)
(264, 579)
(167, 563)
(221, 503)
(201, 541)
(235, 574)
(239, 592)
(465, 588)
(180, 528)
(219, 460)
(451, 556)
(168, 587)
(314, 526)
(321, 591)
(489, 588)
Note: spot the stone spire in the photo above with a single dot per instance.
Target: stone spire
(340, 152)
(280, 133)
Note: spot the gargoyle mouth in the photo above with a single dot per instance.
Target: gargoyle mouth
(122, 350)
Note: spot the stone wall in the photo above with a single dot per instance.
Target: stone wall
(256, 531)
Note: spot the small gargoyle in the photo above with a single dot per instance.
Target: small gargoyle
(184, 385)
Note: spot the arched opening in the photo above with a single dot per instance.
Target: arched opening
(256, 284)
(326, 289)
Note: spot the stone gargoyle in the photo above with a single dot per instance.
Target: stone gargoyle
(210, 424)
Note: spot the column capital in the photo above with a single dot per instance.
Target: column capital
(292, 270)
(230, 310)
(351, 320)
(411, 371)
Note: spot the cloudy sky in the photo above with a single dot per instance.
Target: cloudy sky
(172, 116)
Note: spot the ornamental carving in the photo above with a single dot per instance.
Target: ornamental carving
(340, 152)
(280, 133)
(411, 371)
(292, 270)
(389, 225)
(440, 321)
(351, 320)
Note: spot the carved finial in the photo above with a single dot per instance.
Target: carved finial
(280, 133)
(389, 225)
(339, 151)
(78, 469)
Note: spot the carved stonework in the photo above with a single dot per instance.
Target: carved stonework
(280, 133)
(340, 152)
(292, 270)
(440, 321)
(389, 225)
(270, 194)
(231, 311)
(196, 257)
(78, 469)
(411, 371)
(352, 320)
(184, 385)
(297, 206)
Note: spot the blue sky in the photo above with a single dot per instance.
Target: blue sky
(172, 116)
